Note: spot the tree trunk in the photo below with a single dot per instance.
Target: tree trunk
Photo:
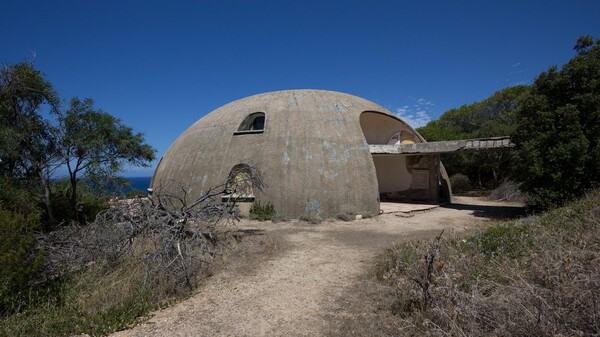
(73, 197)
(47, 196)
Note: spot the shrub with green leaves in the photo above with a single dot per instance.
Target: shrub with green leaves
(90, 203)
(19, 259)
(262, 213)
(558, 132)
(460, 183)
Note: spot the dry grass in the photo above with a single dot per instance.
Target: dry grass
(538, 276)
(508, 191)
(137, 255)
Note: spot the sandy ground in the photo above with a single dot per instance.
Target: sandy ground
(296, 274)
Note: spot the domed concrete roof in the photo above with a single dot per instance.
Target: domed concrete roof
(310, 148)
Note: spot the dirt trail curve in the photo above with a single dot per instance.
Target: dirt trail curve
(291, 293)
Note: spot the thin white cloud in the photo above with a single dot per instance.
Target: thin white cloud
(416, 114)
(513, 76)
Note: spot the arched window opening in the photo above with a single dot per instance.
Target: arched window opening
(253, 123)
(241, 182)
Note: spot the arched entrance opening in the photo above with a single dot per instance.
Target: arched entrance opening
(240, 188)
(400, 177)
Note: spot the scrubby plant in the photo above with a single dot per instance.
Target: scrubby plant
(558, 131)
(19, 258)
(262, 212)
(508, 191)
(135, 256)
(135, 194)
(533, 276)
(89, 203)
(460, 183)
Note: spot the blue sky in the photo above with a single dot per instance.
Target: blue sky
(161, 65)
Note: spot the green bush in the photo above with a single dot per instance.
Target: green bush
(90, 204)
(19, 259)
(460, 183)
(135, 194)
(262, 213)
(558, 134)
(16, 195)
(502, 239)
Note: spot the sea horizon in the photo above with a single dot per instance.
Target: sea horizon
(141, 183)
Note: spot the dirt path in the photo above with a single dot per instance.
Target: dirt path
(291, 291)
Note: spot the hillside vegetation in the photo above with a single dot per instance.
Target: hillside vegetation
(554, 122)
(536, 276)
(71, 261)
(492, 117)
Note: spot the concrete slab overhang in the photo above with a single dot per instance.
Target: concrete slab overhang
(463, 145)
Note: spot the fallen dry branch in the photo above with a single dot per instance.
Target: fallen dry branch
(172, 236)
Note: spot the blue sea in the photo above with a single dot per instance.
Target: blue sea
(138, 183)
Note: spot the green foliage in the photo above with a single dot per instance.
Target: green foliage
(505, 240)
(27, 143)
(539, 273)
(25, 137)
(89, 203)
(262, 213)
(558, 134)
(460, 183)
(16, 194)
(89, 143)
(494, 116)
(56, 309)
(19, 259)
(95, 144)
(135, 193)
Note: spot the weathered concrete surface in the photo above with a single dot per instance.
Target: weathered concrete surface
(464, 145)
(312, 153)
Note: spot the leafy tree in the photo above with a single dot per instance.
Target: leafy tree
(494, 116)
(558, 131)
(23, 93)
(37, 137)
(33, 143)
(27, 146)
(95, 144)
(19, 260)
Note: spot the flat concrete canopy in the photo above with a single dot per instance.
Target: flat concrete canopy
(464, 145)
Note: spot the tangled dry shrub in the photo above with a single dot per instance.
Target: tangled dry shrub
(167, 241)
(138, 255)
(508, 191)
(539, 276)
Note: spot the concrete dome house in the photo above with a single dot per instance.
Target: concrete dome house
(312, 148)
